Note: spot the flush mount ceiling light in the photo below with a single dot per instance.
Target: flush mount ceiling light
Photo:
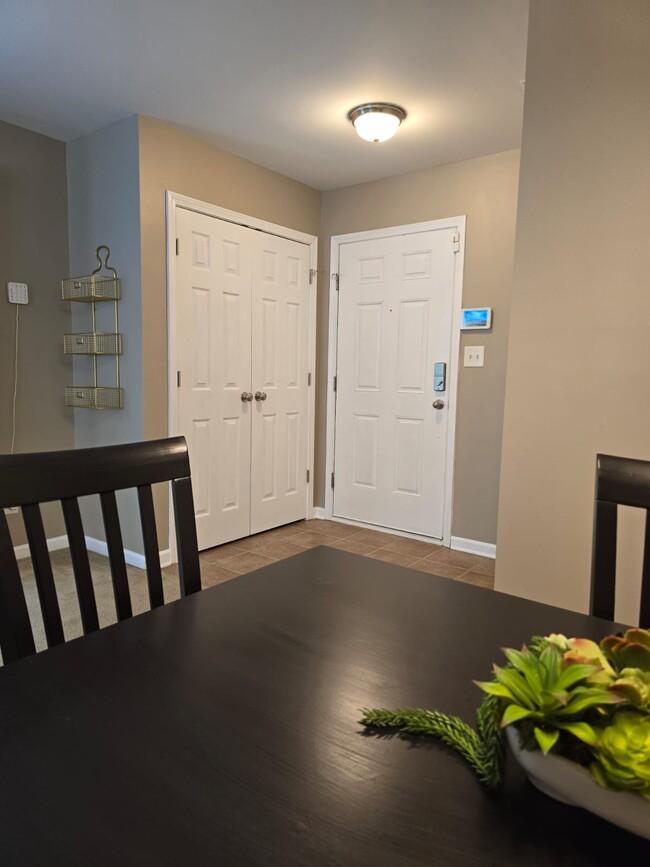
(376, 121)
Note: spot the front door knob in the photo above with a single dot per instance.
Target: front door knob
(246, 396)
(438, 404)
(260, 395)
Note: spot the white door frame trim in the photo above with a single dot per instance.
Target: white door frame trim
(457, 223)
(178, 200)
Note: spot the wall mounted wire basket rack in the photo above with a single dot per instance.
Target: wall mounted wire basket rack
(93, 289)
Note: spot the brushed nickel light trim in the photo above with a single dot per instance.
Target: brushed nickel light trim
(379, 110)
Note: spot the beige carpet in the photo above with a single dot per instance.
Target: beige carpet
(67, 593)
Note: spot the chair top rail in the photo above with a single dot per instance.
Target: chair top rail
(39, 477)
(624, 481)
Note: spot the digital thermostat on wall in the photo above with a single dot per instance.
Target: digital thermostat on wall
(475, 317)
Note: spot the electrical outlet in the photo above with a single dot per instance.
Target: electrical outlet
(17, 293)
(474, 356)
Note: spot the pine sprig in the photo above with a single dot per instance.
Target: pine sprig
(488, 720)
(449, 729)
(482, 750)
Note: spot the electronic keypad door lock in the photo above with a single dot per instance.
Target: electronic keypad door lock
(440, 376)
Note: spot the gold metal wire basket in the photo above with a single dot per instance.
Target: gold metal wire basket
(90, 288)
(92, 343)
(94, 397)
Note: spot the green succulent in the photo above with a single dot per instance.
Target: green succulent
(631, 650)
(581, 650)
(546, 696)
(623, 754)
(633, 685)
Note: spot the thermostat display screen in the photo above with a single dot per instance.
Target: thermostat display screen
(476, 317)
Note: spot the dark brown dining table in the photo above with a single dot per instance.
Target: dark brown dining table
(222, 730)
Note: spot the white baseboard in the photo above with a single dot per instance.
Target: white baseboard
(53, 544)
(132, 558)
(471, 546)
(319, 513)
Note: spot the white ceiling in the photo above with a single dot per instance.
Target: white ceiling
(272, 80)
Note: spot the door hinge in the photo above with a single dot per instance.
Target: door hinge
(309, 379)
(307, 476)
(336, 277)
(332, 480)
(334, 383)
(456, 240)
(312, 275)
(178, 379)
(178, 245)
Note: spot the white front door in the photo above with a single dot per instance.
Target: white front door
(280, 328)
(242, 328)
(396, 298)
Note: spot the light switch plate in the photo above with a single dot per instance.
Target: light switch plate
(474, 356)
(17, 293)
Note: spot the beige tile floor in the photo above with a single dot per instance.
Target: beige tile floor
(227, 561)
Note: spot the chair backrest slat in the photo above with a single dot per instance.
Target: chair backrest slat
(150, 540)
(619, 482)
(16, 637)
(644, 611)
(116, 555)
(43, 575)
(26, 480)
(80, 564)
(603, 574)
(188, 550)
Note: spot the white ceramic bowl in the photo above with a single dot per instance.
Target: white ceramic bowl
(572, 784)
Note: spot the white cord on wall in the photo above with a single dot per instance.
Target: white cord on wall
(13, 422)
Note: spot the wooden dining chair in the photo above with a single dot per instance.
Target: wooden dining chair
(619, 482)
(26, 480)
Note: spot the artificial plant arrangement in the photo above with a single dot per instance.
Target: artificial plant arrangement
(569, 696)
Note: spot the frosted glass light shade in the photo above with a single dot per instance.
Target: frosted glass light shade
(376, 121)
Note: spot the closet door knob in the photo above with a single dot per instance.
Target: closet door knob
(260, 395)
(246, 396)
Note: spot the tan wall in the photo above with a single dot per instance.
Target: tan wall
(34, 250)
(579, 369)
(484, 189)
(172, 160)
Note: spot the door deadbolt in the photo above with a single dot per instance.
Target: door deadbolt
(438, 404)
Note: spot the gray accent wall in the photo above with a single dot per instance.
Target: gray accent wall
(104, 208)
